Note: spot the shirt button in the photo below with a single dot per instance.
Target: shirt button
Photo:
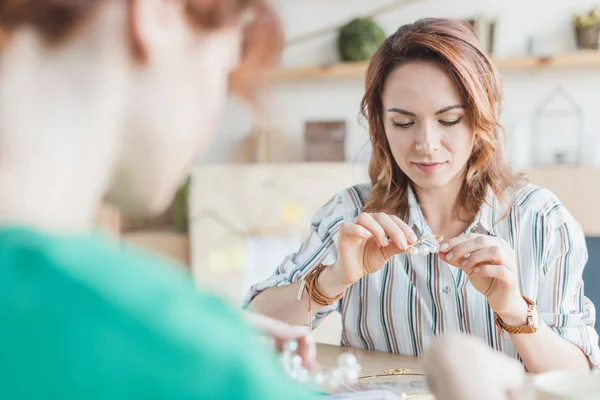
(447, 289)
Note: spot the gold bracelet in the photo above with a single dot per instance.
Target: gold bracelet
(310, 283)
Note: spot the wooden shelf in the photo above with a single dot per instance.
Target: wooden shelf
(579, 59)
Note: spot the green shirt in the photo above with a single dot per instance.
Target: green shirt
(82, 317)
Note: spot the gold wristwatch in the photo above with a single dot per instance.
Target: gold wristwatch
(533, 320)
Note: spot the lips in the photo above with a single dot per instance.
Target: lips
(430, 167)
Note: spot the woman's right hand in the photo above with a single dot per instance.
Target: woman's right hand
(364, 247)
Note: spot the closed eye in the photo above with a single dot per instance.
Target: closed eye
(450, 123)
(403, 126)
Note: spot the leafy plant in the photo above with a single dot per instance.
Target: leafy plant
(591, 19)
(359, 39)
(180, 207)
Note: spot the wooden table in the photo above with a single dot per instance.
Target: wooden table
(373, 366)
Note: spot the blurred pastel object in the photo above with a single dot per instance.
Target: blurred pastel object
(567, 385)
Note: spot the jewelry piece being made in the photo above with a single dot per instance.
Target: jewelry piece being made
(425, 245)
(346, 373)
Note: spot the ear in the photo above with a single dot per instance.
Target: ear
(147, 19)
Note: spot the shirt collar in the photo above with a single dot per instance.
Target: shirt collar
(488, 213)
(486, 216)
(416, 220)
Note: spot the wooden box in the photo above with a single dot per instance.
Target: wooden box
(325, 141)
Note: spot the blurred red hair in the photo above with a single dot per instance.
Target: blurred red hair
(57, 20)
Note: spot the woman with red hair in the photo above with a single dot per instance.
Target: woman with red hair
(509, 269)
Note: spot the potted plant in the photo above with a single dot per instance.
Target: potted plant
(359, 39)
(587, 29)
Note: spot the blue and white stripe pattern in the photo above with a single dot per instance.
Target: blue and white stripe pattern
(414, 298)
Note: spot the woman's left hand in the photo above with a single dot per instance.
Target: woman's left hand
(491, 266)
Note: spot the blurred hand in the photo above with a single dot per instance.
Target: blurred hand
(364, 247)
(282, 332)
(460, 367)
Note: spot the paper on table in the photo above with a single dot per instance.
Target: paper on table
(367, 395)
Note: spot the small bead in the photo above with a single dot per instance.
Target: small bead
(319, 379)
(303, 375)
(346, 360)
(335, 374)
(290, 346)
(296, 362)
(349, 376)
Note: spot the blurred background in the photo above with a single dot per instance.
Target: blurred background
(249, 201)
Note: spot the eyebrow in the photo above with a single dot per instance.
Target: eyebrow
(410, 114)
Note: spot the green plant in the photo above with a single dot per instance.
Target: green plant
(359, 39)
(591, 19)
(181, 207)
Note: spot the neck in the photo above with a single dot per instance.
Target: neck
(59, 116)
(441, 207)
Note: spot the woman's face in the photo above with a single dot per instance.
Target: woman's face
(425, 125)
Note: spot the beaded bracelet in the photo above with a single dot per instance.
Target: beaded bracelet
(346, 373)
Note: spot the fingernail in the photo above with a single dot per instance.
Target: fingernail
(413, 238)
(449, 256)
(445, 246)
(365, 233)
(478, 269)
(464, 263)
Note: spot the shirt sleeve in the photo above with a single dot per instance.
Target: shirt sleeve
(319, 247)
(563, 305)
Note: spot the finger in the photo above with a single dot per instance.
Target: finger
(305, 343)
(351, 229)
(392, 229)
(367, 221)
(449, 244)
(488, 255)
(408, 232)
(307, 349)
(499, 272)
(456, 253)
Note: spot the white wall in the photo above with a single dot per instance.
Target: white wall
(292, 103)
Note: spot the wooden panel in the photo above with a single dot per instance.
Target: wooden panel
(234, 207)
(166, 243)
(577, 188)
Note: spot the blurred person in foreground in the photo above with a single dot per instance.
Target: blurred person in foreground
(116, 99)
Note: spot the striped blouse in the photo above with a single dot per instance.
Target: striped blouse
(413, 298)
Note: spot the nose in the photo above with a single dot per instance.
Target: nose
(427, 141)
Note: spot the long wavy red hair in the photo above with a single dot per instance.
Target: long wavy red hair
(452, 45)
(57, 20)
